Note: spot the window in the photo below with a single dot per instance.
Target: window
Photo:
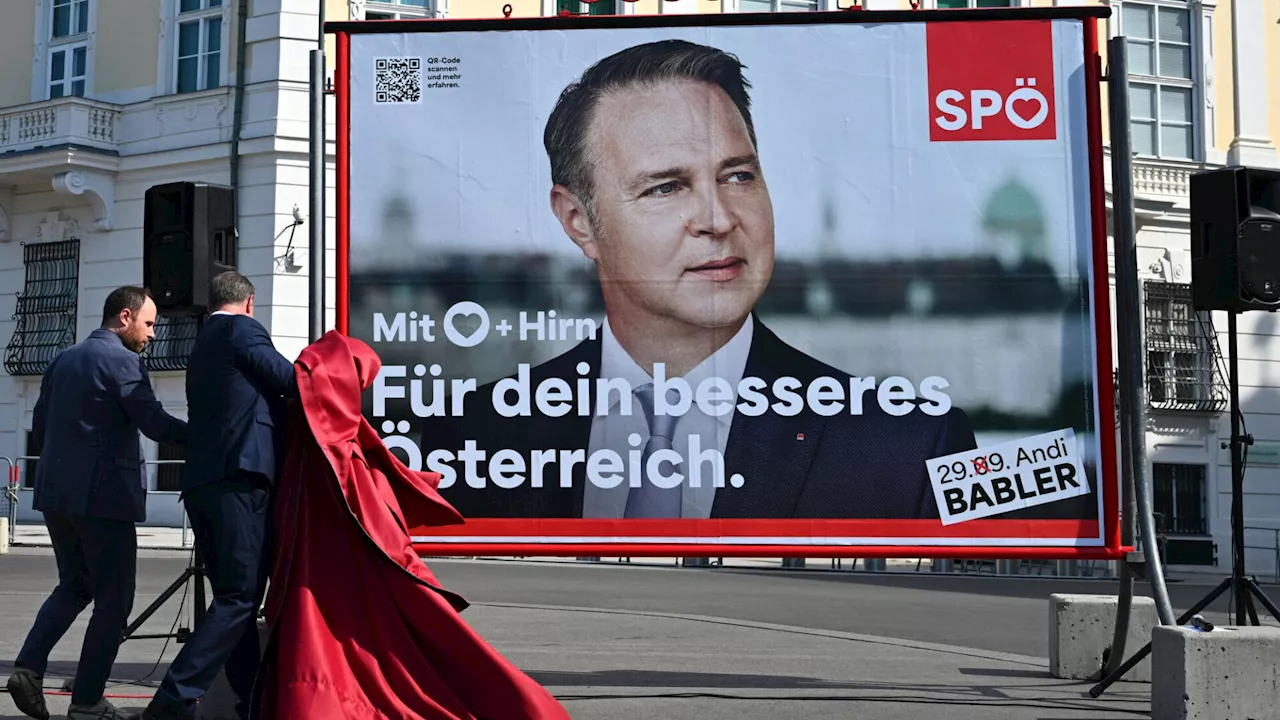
(29, 462)
(599, 7)
(66, 50)
(757, 6)
(70, 18)
(1161, 88)
(1178, 499)
(397, 9)
(1181, 355)
(68, 68)
(199, 39)
(170, 467)
(959, 4)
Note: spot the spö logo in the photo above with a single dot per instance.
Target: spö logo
(991, 81)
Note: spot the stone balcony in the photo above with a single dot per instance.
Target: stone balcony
(1170, 179)
(55, 124)
(1161, 188)
(69, 143)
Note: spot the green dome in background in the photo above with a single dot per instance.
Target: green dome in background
(1015, 214)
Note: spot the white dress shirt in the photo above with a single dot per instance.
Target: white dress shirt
(612, 431)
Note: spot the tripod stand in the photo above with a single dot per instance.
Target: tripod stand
(1243, 589)
(194, 571)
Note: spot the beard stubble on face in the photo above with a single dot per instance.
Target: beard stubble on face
(677, 322)
(135, 338)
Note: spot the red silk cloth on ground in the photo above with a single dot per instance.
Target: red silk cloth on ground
(360, 626)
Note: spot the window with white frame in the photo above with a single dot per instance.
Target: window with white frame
(398, 9)
(1161, 79)
(199, 45)
(961, 4)
(756, 6)
(68, 49)
(70, 18)
(68, 68)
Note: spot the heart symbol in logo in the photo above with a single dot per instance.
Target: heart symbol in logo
(466, 309)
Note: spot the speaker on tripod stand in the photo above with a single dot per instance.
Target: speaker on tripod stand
(189, 236)
(1235, 268)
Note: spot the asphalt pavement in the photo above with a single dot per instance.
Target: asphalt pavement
(662, 641)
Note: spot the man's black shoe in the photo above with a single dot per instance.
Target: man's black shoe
(27, 690)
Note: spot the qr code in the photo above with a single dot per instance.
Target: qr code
(397, 80)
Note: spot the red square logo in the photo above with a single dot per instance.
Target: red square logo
(991, 80)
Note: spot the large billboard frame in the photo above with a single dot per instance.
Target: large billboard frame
(1107, 467)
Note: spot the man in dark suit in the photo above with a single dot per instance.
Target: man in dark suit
(236, 386)
(90, 484)
(657, 179)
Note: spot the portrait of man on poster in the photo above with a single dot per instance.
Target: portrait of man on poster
(657, 178)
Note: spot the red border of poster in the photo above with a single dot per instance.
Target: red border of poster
(716, 538)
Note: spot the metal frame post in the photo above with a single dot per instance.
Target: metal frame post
(316, 251)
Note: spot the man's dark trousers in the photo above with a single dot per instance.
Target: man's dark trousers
(232, 524)
(97, 562)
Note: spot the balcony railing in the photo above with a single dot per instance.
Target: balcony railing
(55, 123)
(1170, 179)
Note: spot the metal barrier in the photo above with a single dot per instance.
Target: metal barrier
(13, 496)
(1274, 546)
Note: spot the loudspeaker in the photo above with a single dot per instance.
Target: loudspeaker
(189, 236)
(1235, 239)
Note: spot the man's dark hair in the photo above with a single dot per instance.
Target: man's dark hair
(128, 297)
(228, 288)
(565, 134)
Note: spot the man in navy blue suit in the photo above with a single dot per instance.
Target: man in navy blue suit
(94, 398)
(657, 179)
(237, 383)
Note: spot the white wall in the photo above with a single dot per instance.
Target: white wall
(185, 138)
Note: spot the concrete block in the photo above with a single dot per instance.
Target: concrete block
(219, 703)
(1228, 673)
(1081, 628)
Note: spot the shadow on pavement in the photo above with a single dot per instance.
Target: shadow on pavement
(140, 674)
(662, 678)
(1064, 695)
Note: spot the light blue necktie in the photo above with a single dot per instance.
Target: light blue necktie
(649, 500)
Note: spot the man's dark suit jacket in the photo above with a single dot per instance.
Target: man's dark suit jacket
(94, 398)
(236, 380)
(846, 466)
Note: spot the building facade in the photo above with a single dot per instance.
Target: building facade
(96, 107)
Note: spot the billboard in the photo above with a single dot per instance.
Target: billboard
(821, 284)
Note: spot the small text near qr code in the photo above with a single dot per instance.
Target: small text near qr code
(397, 80)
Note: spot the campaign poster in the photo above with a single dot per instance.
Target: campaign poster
(815, 283)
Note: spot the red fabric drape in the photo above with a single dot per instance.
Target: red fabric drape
(360, 626)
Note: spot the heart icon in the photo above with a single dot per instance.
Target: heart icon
(466, 309)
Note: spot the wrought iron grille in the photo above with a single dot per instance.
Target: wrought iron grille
(1182, 368)
(175, 336)
(170, 469)
(46, 308)
(1179, 497)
